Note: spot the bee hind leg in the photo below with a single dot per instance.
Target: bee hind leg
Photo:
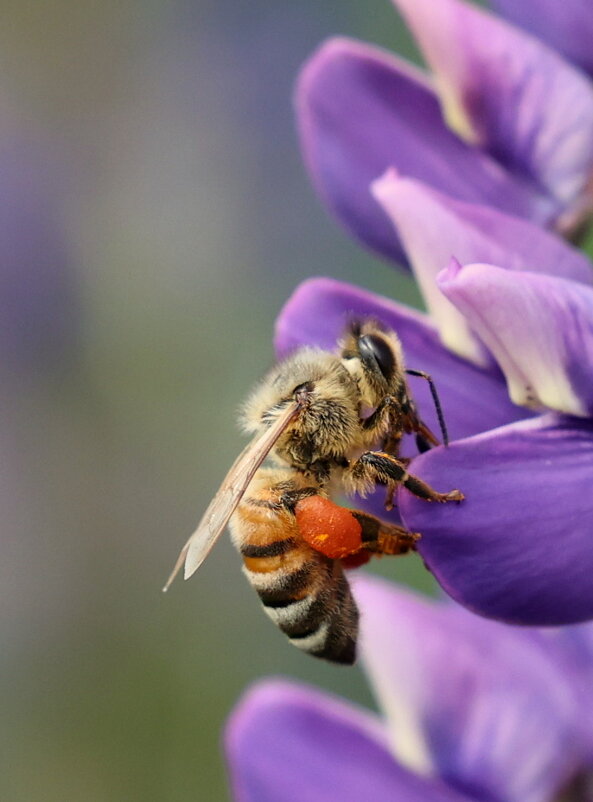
(381, 538)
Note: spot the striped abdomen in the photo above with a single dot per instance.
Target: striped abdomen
(305, 593)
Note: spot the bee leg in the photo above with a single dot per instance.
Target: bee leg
(290, 498)
(390, 497)
(425, 439)
(386, 420)
(351, 535)
(422, 443)
(377, 467)
(393, 418)
(381, 538)
(392, 486)
(392, 443)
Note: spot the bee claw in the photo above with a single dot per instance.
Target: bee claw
(452, 495)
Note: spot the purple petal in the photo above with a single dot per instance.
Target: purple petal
(508, 92)
(473, 398)
(573, 647)
(519, 548)
(567, 26)
(360, 111)
(539, 329)
(289, 743)
(473, 701)
(471, 233)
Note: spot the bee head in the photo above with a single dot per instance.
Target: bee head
(373, 355)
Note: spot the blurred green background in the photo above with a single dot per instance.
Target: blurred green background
(154, 216)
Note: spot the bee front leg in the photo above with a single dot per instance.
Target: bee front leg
(378, 467)
(386, 422)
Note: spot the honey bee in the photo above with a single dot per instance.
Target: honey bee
(329, 422)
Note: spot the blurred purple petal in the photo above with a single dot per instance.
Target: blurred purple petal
(519, 548)
(508, 92)
(360, 111)
(572, 646)
(289, 743)
(39, 309)
(539, 328)
(471, 233)
(567, 26)
(473, 398)
(473, 701)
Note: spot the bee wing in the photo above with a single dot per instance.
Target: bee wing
(229, 495)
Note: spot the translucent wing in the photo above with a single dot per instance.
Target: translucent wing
(229, 495)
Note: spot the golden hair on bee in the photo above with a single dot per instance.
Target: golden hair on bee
(331, 422)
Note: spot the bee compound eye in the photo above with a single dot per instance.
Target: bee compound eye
(300, 389)
(376, 348)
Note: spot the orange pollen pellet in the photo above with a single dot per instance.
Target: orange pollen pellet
(327, 527)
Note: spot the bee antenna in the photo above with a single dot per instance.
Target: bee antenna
(436, 400)
(354, 326)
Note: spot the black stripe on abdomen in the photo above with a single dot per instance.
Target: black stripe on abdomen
(286, 588)
(274, 549)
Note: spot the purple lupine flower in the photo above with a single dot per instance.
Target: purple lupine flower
(519, 548)
(473, 710)
(519, 317)
(506, 122)
(567, 26)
